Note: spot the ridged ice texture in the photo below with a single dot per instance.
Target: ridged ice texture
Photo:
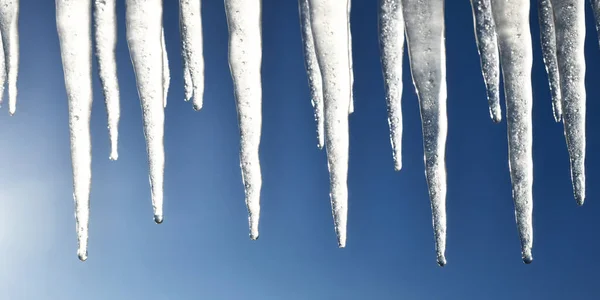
(425, 39)
(191, 41)
(391, 46)
(569, 21)
(514, 40)
(105, 29)
(144, 38)
(245, 59)
(351, 105)
(315, 83)
(548, 37)
(74, 23)
(487, 45)
(329, 22)
(165, 67)
(9, 28)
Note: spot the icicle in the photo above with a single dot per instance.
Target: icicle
(188, 85)
(351, 106)
(73, 21)
(329, 23)
(105, 25)
(391, 45)
(144, 29)
(165, 67)
(596, 10)
(2, 72)
(487, 45)
(425, 34)
(569, 21)
(546, 17)
(9, 28)
(191, 36)
(245, 59)
(312, 69)
(514, 40)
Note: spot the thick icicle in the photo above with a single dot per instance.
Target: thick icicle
(315, 83)
(105, 25)
(245, 60)
(487, 45)
(514, 40)
(9, 28)
(73, 21)
(546, 17)
(391, 45)
(188, 85)
(424, 23)
(329, 23)
(165, 67)
(144, 30)
(351, 106)
(569, 21)
(191, 39)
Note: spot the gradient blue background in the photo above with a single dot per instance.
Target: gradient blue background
(202, 251)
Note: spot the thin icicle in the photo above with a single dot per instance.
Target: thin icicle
(9, 28)
(596, 10)
(351, 106)
(425, 36)
(391, 45)
(569, 21)
(105, 25)
(329, 23)
(73, 22)
(191, 38)
(245, 59)
(312, 69)
(546, 17)
(487, 45)
(514, 40)
(165, 67)
(144, 30)
(2, 72)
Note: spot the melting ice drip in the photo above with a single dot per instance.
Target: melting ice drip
(503, 39)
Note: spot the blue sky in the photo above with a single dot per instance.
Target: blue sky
(202, 250)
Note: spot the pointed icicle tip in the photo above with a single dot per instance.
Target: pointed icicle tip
(527, 259)
(158, 219)
(397, 165)
(254, 236)
(441, 261)
(82, 255)
(113, 156)
(197, 107)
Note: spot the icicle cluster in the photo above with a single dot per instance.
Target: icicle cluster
(503, 40)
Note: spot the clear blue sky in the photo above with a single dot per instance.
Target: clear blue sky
(202, 250)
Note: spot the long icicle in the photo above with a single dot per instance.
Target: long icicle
(74, 22)
(165, 68)
(315, 82)
(105, 25)
(245, 60)
(548, 37)
(9, 28)
(191, 39)
(569, 22)
(329, 23)
(487, 45)
(144, 31)
(350, 58)
(425, 35)
(514, 39)
(391, 45)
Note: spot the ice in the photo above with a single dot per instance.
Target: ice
(487, 45)
(351, 106)
(105, 27)
(245, 59)
(547, 32)
(391, 45)
(192, 52)
(73, 22)
(9, 28)
(596, 10)
(569, 21)
(165, 67)
(329, 23)
(514, 40)
(424, 23)
(2, 72)
(144, 38)
(312, 69)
